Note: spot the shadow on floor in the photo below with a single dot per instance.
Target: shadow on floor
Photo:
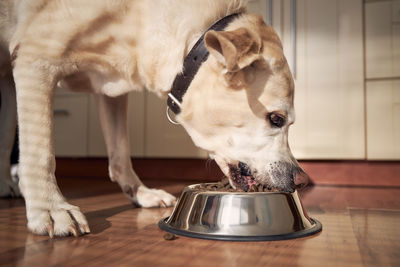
(98, 219)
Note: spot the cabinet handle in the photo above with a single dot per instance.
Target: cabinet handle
(293, 35)
(61, 112)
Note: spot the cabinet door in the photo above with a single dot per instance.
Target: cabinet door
(329, 97)
(136, 117)
(259, 7)
(383, 119)
(70, 125)
(164, 139)
(382, 39)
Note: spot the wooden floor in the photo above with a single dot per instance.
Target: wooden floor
(361, 227)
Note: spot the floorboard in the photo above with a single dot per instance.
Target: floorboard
(360, 228)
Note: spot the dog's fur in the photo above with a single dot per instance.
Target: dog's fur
(238, 107)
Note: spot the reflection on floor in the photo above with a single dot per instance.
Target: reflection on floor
(360, 228)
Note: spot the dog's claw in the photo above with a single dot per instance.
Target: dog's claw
(84, 229)
(87, 229)
(73, 231)
(81, 229)
(50, 230)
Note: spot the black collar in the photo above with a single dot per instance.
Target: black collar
(191, 65)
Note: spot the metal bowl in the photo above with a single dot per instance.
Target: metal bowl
(239, 216)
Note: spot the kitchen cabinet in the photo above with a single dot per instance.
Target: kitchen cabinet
(260, 7)
(382, 39)
(164, 139)
(382, 61)
(77, 131)
(383, 120)
(70, 124)
(382, 54)
(323, 44)
(136, 121)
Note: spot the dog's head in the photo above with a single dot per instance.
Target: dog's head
(240, 105)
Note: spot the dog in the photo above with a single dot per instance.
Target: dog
(238, 105)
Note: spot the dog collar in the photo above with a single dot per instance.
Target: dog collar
(191, 65)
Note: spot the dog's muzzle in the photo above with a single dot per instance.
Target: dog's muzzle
(279, 175)
(242, 176)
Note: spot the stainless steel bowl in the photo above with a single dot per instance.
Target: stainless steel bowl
(238, 216)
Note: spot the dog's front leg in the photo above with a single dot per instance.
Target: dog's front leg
(47, 210)
(113, 118)
(8, 123)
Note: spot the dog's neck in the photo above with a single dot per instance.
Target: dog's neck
(193, 61)
(161, 63)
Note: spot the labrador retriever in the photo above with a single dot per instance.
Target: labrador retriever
(238, 104)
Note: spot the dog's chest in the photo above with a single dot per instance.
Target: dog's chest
(111, 85)
(110, 69)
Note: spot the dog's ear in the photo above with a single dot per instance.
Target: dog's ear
(235, 49)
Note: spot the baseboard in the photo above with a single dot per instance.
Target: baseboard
(341, 173)
(146, 168)
(349, 172)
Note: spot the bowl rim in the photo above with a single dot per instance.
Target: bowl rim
(316, 228)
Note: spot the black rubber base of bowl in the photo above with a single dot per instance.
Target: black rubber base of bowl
(315, 229)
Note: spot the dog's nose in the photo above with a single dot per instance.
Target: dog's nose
(301, 179)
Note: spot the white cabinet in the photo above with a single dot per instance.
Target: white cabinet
(382, 50)
(136, 122)
(260, 7)
(382, 39)
(77, 131)
(163, 139)
(383, 119)
(327, 56)
(70, 124)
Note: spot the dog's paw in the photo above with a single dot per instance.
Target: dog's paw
(147, 198)
(64, 220)
(9, 188)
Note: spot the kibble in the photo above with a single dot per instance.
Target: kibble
(169, 236)
(224, 186)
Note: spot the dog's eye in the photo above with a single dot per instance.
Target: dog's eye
(276, 119)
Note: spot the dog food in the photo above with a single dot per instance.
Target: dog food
(224, 186)
(169, 236)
